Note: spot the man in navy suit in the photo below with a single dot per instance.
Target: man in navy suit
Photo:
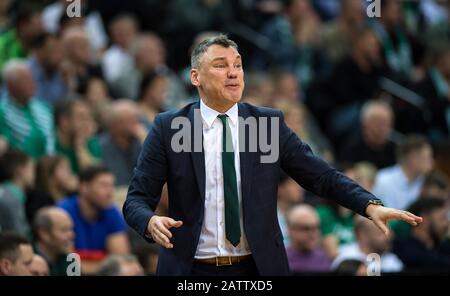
(222, 192)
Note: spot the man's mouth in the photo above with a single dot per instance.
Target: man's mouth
(232, 85)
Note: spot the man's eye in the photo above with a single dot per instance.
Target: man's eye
(238, 66)
(220, 66)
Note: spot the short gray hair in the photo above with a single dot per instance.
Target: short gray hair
(42, 221)
(11, 67)
(203, 46)
(112, 265)
(372, 106)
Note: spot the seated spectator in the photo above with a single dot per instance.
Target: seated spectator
(16, 255)
(92, 22)
(336, 223)
(44, 65)
(351, 267)
(54, 238)
(369, 239)
(77, 66)
(123, 30)
(337, 35)
(434, 88)
(16, 42)
(121, 143)
(400, 185)
(152, 96)
(398, 46)
(120, 265)
(75, 134)
(149, 55)
(99, 226)
(373, 143)
(39, 266)
(354, 81)
(287, 88)
(364, 174)
(420, 251)
(25, 122)
(293, 43)
(259, 89)
(305, 253)
(300, 120)
(17, 171)
(54, 181)
(289, 194)
(436, 185)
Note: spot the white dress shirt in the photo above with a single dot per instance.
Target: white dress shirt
(394, 189)
(213, 241)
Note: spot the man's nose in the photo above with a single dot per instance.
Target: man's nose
(232, 73)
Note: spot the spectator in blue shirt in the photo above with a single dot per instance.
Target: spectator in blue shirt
(99, 226)
(44, 65)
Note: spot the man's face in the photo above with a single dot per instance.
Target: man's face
(123, 32)
(39, 266)
(150, 53)
(32, 27)
(52, 53)
(22, 86)
(422, 160)
(376, 240)
(27, 173)
(128, 122)
(21, 266)
(79, 49)
(392, 13)
(99, 191)
(220, 77)
(61, 236)
(378, 127)
(82, 119)
(354, 12)
(304, 232)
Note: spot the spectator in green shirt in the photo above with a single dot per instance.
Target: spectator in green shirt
(15, 43)
(26, 123)
(75, 134)
(54, 238)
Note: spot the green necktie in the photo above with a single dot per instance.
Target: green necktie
(232, 224)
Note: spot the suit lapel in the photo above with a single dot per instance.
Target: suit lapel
(198, 158)
(247, 159)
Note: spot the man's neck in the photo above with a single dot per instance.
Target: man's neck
(87, 211)
(221, 108)
(410, 174)
(122, 142)
(46, 252)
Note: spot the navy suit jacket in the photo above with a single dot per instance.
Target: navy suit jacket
(184, 173)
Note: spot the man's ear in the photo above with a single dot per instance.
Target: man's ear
(194, 77)
(44, 235)
(5, 266)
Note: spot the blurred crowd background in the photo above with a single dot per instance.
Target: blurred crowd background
(78, 96)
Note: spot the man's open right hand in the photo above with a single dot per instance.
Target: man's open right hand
(159, 226)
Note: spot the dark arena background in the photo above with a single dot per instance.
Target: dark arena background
(366, 84)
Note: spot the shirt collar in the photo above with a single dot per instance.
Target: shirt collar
(209, 114)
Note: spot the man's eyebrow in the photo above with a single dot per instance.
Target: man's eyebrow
(224, 58)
